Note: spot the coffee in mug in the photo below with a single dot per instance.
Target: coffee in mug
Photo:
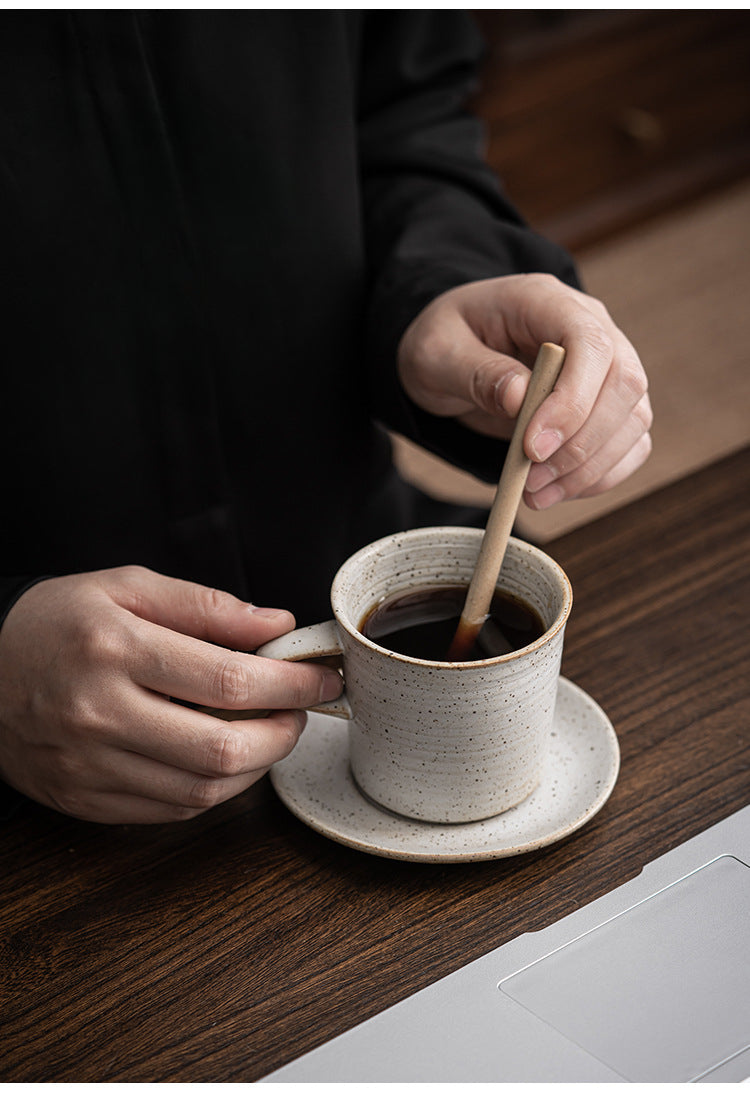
(423, 623)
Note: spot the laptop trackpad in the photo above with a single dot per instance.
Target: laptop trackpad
(660, 992)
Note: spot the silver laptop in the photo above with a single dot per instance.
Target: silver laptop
(650, 983)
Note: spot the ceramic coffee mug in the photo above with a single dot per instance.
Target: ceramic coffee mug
(440, 741)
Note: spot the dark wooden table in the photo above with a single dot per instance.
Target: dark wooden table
(222, 948)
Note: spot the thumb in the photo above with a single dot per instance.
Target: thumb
(458, 373)
(196, 610)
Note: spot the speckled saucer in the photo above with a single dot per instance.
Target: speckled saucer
(581, 769)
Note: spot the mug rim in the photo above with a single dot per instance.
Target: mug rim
(464, 532)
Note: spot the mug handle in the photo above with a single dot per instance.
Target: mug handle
(319, 641)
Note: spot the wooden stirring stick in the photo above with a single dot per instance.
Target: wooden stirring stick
(507, 500)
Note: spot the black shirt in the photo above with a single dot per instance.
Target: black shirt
(215, 228)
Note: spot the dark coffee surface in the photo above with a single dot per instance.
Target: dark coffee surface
(422, 624)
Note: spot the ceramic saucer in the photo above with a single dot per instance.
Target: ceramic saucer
(316, 784)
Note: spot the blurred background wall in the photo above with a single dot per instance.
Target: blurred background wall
(625, 136)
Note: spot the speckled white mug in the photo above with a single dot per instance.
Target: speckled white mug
(440, 741)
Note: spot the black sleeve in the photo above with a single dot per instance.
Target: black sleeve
(435, 214)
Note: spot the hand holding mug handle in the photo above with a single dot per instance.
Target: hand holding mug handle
(306, 643)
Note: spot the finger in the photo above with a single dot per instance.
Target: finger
(621, 471)
(203, 744)
(200, 611)
(567, 490)
(141, 724)
(158, 785)
(490, 382)
(602, 380)
(596, 448)
(119, 772)
(451, 367)
(499, 422)
(197, 672)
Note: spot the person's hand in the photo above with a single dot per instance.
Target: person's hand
(88, 664)
(468, 355)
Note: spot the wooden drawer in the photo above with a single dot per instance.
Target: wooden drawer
(597, 120)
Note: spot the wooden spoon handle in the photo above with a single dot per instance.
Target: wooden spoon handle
(508, 497)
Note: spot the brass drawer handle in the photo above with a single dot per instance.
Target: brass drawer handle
(641, 126)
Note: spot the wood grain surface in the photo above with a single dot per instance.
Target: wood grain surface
(220, 949)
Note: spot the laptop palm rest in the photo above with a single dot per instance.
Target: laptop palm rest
(653, 993)
(648, 981)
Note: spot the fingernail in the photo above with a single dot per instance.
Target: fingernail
(540, 475)
(331, 687)
(545, 444)
(268, 613)
(502, 389)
